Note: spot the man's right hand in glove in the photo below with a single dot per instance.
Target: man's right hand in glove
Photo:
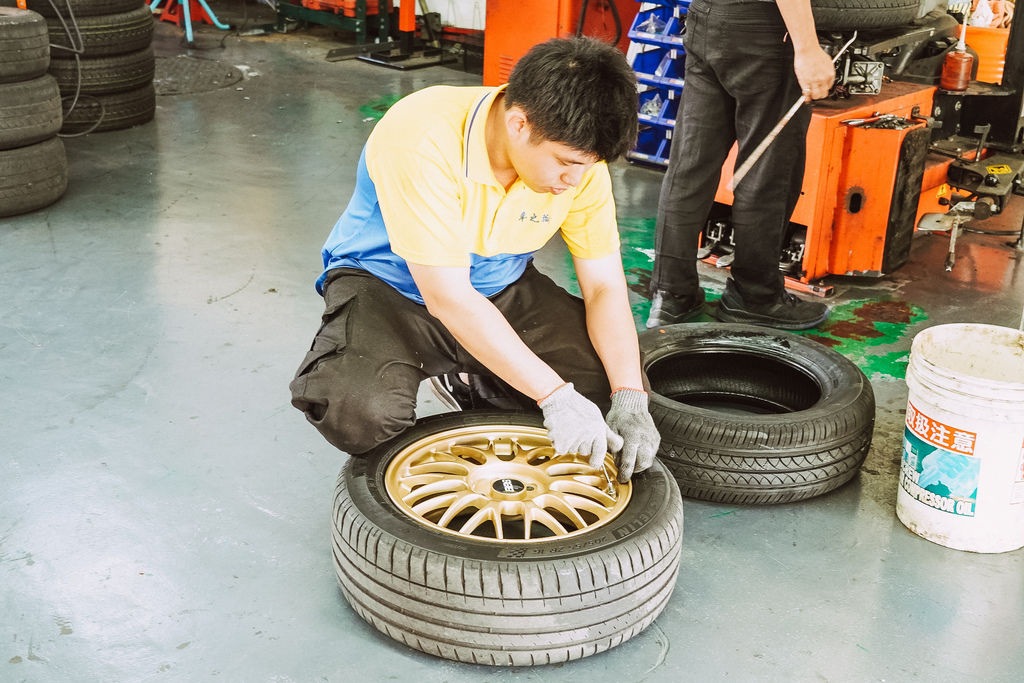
(575, 425)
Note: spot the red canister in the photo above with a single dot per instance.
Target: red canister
(956, 70)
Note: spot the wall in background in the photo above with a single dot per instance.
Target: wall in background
(461, 13)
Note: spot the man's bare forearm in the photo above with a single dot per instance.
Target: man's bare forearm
(812, 65)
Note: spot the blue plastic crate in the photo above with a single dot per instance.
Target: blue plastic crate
(662, 67)
(653, 145)
(658, 61)
(658, 25)
(662, 114)
(647, 63)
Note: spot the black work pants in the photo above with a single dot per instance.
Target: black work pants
(357, 384)
(739, 81)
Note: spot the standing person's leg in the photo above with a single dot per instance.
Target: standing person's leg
(759, 74)
(357, 385)
(762, 199)
(703, 137)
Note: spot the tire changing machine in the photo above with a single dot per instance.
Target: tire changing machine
(895, 154)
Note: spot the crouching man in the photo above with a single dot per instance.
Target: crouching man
(429, 272)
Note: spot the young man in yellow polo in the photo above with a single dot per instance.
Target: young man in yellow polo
(429, 273)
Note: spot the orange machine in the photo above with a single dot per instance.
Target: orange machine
(857, 212)
(913, 157)
(514, 26)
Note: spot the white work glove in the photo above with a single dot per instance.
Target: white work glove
(575, 425)
(631, 420)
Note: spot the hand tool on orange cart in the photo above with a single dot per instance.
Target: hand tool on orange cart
(774, 133)
(876, 118)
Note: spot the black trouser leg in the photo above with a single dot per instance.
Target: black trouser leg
(553, 324)
(765, 198)
(357, 385)
(703, 136)
(740, 59)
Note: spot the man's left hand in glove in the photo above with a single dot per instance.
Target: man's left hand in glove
(630, 418)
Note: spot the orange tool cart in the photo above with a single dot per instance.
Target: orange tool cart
(894, 154)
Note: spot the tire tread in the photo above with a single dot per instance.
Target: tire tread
(508, 612)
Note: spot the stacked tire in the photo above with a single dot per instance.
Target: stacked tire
(111, 81)
(33, 164)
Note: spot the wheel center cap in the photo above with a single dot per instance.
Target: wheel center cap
(508, 486)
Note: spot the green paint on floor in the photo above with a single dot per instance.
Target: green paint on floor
(857, 328)
(637, 238)
(377, 108)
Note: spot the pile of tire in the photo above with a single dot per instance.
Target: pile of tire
(33, 164)
(110, 82)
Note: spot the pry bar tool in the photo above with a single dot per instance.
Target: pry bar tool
(768, 139)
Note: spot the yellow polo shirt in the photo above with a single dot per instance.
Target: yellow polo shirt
(425, 193)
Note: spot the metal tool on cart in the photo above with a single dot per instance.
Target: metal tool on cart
(988, 182)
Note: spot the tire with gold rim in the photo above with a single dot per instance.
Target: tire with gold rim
(468, 539)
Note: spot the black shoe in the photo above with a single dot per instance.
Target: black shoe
(451, 391)
(786, 313)
(669, 309)
(480, 392)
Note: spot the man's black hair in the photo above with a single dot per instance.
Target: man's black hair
(579, 92)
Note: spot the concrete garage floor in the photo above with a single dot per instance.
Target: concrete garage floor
(165, 513)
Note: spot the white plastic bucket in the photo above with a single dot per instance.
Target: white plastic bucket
(962, 475)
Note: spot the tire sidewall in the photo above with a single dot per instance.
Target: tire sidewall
(364, 479)
(846, 15)
(840, 381)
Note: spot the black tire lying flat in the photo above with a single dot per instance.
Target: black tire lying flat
(32, 177)
(502, 602)
(753, 415)
(108, 34)
(105, 75)
(29, 111)
(113, 112)
(24, 45)
(838, 15)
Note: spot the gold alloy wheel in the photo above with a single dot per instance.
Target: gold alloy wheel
(502, 483)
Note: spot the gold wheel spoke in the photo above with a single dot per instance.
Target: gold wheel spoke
(416, 480)
(568, 469)
(441, 486)
(533, 454)
(448, 456)
(477, 455)
(578, 487)
(435, 503)
(499, 530)
(485, 513)
(440, 467)
(463, 501)
(598, 507)
(561, 503)
(542, 516)
(563, 460)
